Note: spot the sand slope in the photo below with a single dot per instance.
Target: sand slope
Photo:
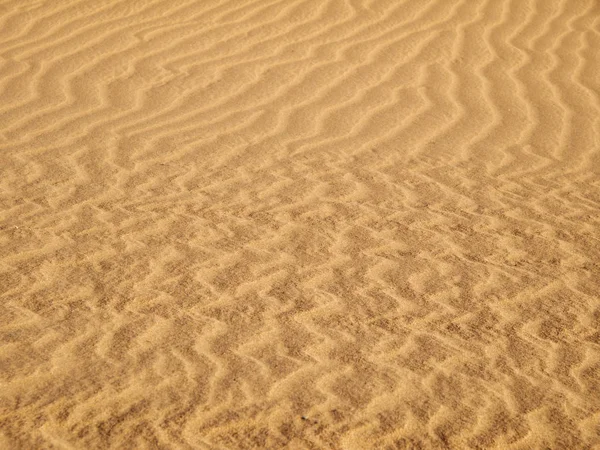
(305, 224)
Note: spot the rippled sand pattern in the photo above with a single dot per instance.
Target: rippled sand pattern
(304, 224)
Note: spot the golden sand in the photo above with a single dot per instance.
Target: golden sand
(303, 224)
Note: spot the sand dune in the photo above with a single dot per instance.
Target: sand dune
(304, 224)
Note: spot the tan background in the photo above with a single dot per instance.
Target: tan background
(309, 224)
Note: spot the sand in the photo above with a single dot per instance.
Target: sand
(303, 224)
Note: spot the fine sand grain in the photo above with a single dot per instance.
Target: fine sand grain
(303, 224)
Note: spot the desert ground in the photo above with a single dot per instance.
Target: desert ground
(299, 224)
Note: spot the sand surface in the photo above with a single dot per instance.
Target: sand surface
(304, 224)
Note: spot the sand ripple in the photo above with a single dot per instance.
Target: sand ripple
(304, 224)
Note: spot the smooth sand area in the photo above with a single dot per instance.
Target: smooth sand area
(299, 224)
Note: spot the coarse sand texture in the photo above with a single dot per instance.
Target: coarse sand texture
(299, 224)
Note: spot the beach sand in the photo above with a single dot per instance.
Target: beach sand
(303, 224)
